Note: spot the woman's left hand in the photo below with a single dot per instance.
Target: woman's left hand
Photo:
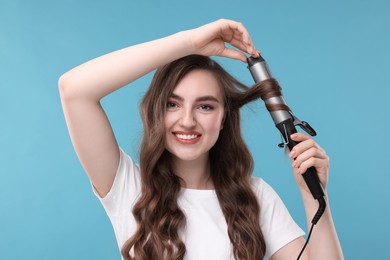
(210, 40)
(307, 154)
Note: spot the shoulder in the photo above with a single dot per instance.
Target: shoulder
(276, 223)
(259, 186)
(128, 173)
(125, 188)
(266, 195)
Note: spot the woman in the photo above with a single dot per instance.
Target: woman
(192, 196)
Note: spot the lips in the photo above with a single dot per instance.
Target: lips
(187, 137)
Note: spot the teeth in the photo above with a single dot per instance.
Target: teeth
(186, 137)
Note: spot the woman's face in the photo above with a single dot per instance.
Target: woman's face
(194, 116)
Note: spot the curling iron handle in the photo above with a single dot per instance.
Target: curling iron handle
(287, 128)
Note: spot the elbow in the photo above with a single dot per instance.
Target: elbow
(64, 86)
(74, 87)
(70, 88)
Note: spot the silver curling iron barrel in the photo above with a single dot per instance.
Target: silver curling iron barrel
(285, 121)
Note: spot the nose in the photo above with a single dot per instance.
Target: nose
(187, 119)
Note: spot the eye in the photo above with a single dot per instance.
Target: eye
(171, 105)
(206, 107)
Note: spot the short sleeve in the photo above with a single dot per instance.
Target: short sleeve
(125, 188)
(276, 223)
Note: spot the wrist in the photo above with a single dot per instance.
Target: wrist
(312, 205)
(308, 198)
(186, 47)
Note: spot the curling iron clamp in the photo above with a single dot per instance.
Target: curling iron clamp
(286, 122)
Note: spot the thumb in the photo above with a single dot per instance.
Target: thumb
(233, 54)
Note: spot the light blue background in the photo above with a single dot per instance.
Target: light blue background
(331, 58)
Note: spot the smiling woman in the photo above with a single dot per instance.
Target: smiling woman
(193, 195)
(199, 121)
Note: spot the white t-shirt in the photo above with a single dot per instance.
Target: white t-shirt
(205, 234)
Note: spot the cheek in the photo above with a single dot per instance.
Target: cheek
(168, 121)
(214, 123)
(167, 126)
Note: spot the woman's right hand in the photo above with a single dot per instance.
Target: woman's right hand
(210, 40)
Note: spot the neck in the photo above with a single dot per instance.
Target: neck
(195, 174)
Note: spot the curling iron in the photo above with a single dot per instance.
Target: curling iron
(286, 122)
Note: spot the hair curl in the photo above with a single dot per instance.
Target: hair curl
(157, 212)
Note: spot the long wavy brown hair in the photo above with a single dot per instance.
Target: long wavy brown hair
(157, 212)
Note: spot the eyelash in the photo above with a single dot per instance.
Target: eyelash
(171, 105)
(208, 107)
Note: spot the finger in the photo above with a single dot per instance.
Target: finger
(238, 44)
(236, 40)
(247, 47)
(312, 152)
(247, 40)
(251, 49)
(303, 146)
(234, 54)
(299, 137)
(311, 162)
(241, 34)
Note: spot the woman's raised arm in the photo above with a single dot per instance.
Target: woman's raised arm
(83, 87)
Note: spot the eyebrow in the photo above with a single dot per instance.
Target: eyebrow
(202, 98)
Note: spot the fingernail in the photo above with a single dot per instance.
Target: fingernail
(292, 154)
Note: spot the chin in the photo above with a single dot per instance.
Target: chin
(187, 155)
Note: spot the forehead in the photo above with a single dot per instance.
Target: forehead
(198, 83)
